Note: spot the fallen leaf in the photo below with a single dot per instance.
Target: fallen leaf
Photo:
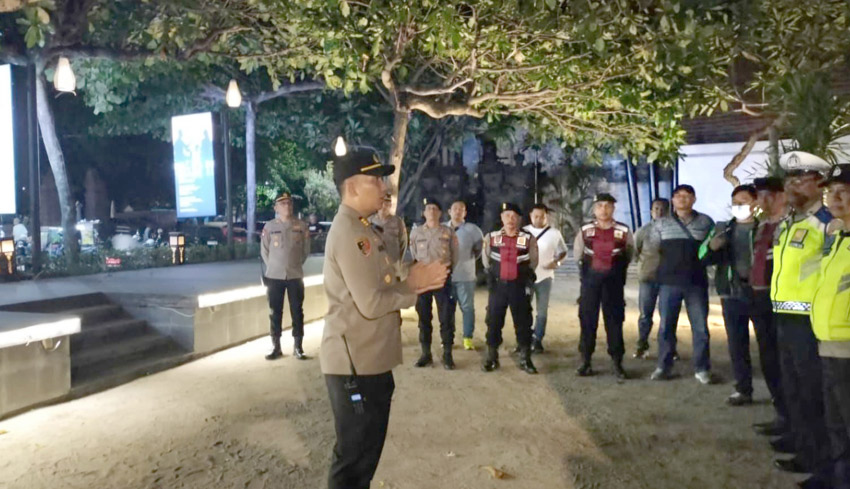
(3, 432)
(496, 473)
(450, 454)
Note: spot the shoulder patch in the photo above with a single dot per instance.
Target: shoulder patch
(823, 215)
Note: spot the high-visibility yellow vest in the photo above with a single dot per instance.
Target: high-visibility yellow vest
(797, 252)
(831, 300)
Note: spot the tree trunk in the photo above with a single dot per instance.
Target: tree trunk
(251, 167)
(773, 148)
(57, 165)
(400, 123)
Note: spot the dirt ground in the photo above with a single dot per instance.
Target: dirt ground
(234, 420)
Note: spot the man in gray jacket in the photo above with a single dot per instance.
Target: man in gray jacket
(648, 292)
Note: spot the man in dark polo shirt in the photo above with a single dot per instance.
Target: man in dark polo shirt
(682, 277)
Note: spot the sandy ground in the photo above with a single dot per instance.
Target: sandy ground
(234, 420)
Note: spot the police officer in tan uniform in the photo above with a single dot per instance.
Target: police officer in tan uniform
(392, 229)
(435, 242)
(361, 342)
(284, 247)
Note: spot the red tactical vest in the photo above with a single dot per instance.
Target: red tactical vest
(509, 258)
(604, 249)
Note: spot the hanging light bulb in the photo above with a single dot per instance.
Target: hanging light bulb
(233, 96)
(339, 147)
(64, 79)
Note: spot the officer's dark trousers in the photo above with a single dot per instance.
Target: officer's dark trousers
(359, 437)
(605, 289)
(802, 380)
(764, 324)
(836, 391)
(275, 290)
(445, 312)
(517, 296)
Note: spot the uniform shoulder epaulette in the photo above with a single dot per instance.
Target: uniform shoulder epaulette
(620, 226)
(823, 215)
(588, 225)
(523, 231)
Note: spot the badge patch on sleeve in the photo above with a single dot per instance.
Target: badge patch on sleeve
(364, 245)
(618, 234)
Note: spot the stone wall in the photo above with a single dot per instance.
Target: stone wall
(32, 375)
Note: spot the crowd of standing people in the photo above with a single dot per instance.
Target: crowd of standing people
(780, 263)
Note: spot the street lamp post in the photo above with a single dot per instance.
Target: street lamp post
(233, 98)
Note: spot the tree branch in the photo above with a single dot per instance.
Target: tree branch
(305, 86)
(738, 159)
(427, 92)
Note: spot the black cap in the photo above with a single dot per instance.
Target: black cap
(509, 206)
(771, 184)
(359, 162)
(604, 197)
(838, 174)
(684, 187)
(431, 201)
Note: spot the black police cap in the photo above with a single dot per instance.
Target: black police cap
(359, 162)
(771, 184)
(431, 201)
(605, 197)
(509, 206)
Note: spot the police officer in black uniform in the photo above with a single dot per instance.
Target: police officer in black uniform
(510, 257)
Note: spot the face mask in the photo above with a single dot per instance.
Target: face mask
(741, 212)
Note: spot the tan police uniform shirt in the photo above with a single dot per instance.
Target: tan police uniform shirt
(364, 299)
(438, 244)
(394, 233)
(284, 247)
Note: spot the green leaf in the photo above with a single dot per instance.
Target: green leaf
(599, 45)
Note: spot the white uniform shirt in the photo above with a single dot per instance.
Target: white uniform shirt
(549, 246)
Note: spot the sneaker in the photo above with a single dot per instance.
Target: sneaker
(641, 353)
(703, 376)
(660, 374)
(738, 399)
(676, 357)
(467, 344)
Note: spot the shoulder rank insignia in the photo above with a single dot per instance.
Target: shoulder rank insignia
(364, 245)
(364, 221)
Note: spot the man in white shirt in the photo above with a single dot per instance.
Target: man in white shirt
(19, 231)
(552, 250)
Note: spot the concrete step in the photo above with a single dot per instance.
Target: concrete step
(60, 304)
(93, 336)
(93, 315)
(109, 356)
(93, 379)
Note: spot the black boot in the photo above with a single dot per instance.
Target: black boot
(492, 361)
(525, 361)
(617, 365)
(448, 361)
(297, 350)
(425, 358)
(276, 353)
(584, 370)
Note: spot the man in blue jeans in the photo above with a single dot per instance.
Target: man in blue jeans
(470, 242)
(682, 277)
(551, 250)
(648, 292)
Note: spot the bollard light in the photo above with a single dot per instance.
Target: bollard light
(64, 79)
(178, 248)
(233, 97)
(339, 147)
(7, 248)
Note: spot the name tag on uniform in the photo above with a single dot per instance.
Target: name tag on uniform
(521, 241)
(798, 238)
(618, 234)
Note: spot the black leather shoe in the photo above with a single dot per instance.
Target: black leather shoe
(738, 399)
(813, 483)
(790, 465)
(783, 445)
(618, 371)
(424, 360)
(274, 355)
(448, 361)
(298, 350)
(584, 370)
